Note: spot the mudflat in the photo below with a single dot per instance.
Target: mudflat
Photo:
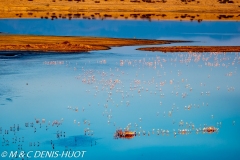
(193, 49)
(68, 43)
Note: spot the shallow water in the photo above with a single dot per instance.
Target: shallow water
(108, 90)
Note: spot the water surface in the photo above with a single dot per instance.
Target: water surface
(101, 91)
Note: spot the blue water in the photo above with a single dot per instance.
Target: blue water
(124, 28)
(102, 91)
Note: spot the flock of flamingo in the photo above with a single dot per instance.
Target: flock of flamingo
(125, 83)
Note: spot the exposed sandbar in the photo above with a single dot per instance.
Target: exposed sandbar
(68, 43)
(193, 49)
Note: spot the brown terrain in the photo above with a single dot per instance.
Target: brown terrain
(190, 10)
(193, 49)
(68, 44)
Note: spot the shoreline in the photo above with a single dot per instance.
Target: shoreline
(63, 44)
(122, 9)
(73, 44)
(192, 49)
(104, 15)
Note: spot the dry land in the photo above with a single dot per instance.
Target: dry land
(68, 44)
(190, 10)
(193, 49)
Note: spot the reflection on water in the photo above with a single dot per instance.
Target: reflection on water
(179, 104)
(74, 141)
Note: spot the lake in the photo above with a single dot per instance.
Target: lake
(74, 103)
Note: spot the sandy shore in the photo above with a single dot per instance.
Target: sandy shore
(190, 10)
(193, 49)
(68, 44)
